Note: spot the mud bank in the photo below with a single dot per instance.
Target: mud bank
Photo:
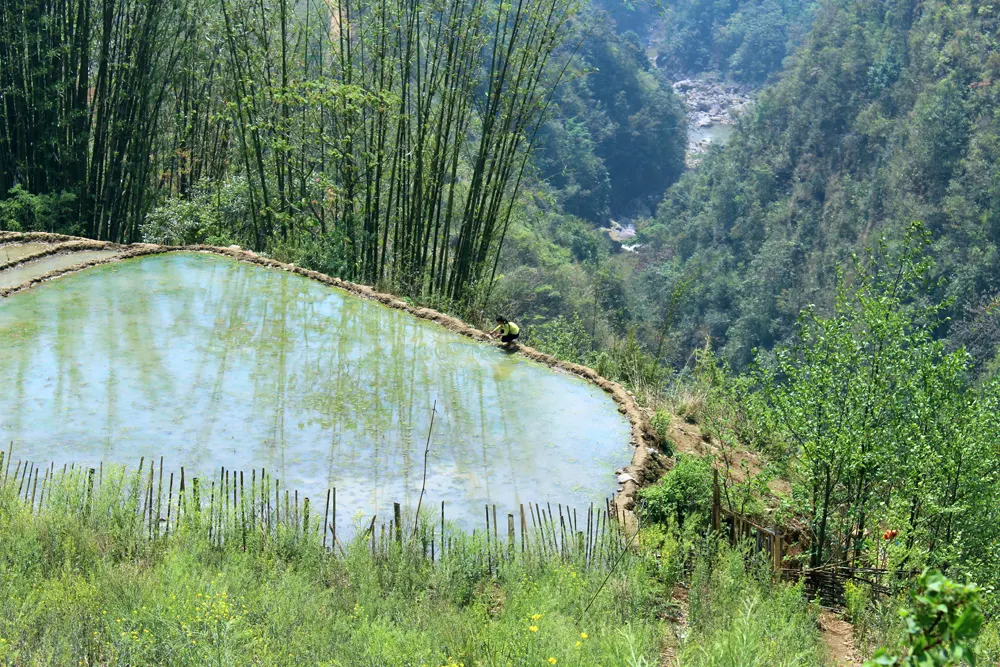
(647, 464)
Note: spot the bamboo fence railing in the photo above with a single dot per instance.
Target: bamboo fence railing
(236, 507)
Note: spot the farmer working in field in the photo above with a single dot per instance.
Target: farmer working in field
(508, 330)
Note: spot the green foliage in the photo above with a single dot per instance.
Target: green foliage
(746, 40)
(562, 338)
(885, 114)
(756, 36)
(627, 362)
(90, 586)
(941, 626)
(204, 217)
(740, 616)
(617, 137)
(884, 425)
(22, 211)
(661, 422)
(685, 490)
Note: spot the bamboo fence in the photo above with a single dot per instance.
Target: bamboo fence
(234, 507)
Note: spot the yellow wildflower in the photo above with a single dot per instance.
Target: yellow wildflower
(533, 628)
(578, 644)
(583, 635)
(535, 617)
(552, 661)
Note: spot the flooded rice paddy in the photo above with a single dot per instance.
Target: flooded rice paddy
(39, 267)
(210, 362)
(12, 253)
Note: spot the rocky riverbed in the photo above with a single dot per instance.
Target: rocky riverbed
(713, 107)
(710, 101)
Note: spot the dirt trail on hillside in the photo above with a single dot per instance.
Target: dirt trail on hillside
(838, 635)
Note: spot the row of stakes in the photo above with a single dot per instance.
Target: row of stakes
(232, 514)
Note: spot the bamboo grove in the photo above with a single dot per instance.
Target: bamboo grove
(390, 135)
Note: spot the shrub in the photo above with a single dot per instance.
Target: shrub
(941, 626)
(23, 211)
(685, 490)
(661, 424)
(740, 616)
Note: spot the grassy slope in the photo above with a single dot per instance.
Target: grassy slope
(90, 588)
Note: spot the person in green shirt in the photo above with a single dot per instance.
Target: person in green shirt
(507, 329)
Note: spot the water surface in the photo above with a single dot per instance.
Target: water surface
(212, 362)
(10, 253)
(718, 133)
(39, 267)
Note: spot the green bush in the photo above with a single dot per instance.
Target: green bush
(942, 625)
(661, 424)
(23, 211)
(206, 216)
(685, 490)
(563, 338)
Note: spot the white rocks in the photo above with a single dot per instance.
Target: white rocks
(707, 99)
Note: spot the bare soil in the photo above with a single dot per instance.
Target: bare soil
(838, 635)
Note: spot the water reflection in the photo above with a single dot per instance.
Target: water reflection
(210, 362)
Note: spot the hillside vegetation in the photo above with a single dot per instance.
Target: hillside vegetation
(885, 116)
(821, 297)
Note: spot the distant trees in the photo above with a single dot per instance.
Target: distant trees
(885, 115)
(618, 134)
(745, 39)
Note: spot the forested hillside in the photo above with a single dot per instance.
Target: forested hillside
(617, 135)
(745, 40)
(887, 115)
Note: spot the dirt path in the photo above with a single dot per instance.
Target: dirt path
(838, 636)
(676, 627)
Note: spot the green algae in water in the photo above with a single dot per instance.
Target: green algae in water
(211, 362)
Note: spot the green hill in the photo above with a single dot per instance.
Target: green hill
(887, 114)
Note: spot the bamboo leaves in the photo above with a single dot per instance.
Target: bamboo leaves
(387, 137)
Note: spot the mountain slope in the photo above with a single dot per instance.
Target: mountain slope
(886, 115)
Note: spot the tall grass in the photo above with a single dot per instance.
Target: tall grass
(741, 618)
(81, 582)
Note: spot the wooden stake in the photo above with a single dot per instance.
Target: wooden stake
(170, 501)
(33, 489)
(10, 453)
(524, 530)
(159, 499)
(326, 513)
(510, 536)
